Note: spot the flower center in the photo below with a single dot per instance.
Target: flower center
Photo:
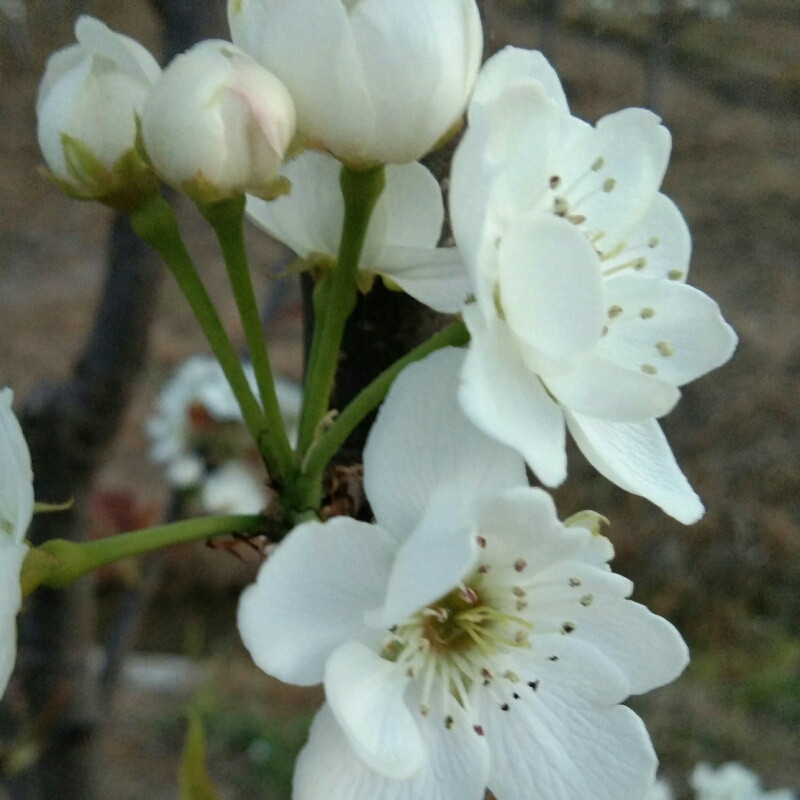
(457, 641)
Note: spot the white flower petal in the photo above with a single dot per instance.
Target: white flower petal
(673, 327)
(127, 53)
(500, 170)
(414, 207)
(569, 664)
(589, 604)
(599, 387)
(233, 488)
(471, 176)
(550, 288)
(522, 523)
(312, 594)
(308, 219)
(561, 747)
(456, 767)
(506, 400)
(436, 277)
(365, 693)
(514, 65)
(433, 559)
(16, 476)
(659, 246)
(421, 440)
(12, 554)
(637, 457)
(420, 59)
(611, 174)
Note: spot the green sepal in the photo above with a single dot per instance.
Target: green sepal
(36, 568)
(125, 186)
(590, 520)
(204, 193)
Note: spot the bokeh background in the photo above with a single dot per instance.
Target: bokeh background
(726, 80)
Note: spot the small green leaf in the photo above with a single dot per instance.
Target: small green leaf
(194, 782)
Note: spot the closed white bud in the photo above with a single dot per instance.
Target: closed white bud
(373, 82)
(217, 124)
(87, 106)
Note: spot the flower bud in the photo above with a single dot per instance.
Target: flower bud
(373, 82)
(217, 124)
(87, 106)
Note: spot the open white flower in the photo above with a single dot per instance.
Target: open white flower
(467, 639)
(732, 781)
(217, 124)
(403, 232)
(86, 113)
(373, 80)
(578, 264)
(16, 511)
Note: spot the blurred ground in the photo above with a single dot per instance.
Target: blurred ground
(731, 583)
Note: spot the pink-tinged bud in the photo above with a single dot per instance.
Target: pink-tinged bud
(217, 124)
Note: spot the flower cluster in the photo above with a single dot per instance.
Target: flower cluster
(467, 639)
(197, 433)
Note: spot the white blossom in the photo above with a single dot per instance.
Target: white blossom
(16, 511)
(401, 239)
(217, 124)
(467, 639)
(583, 318)
(197, 420)
(373, 80)
(232, 488)
(86, 112)
(732, 781)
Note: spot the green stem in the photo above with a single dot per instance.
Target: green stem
(366, 400)
(155, 223)
(226, 219)
(59, 562)
(335, 297)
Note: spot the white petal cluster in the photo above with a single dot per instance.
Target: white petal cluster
(467, 639)
(198, 434)
(401, 239)
(86, 109)
(582, 319)
(16, 511)
(732, 781)
(374, 81)
(217, 124)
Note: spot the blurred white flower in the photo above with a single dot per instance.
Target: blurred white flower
(198, 422)
(86, 111)
(373, 80)
(403, 231)
(661, 791)
(467, 639)
(732, 781)
(232, 488)
(217, 124)
(578, 263)
(16, 511)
